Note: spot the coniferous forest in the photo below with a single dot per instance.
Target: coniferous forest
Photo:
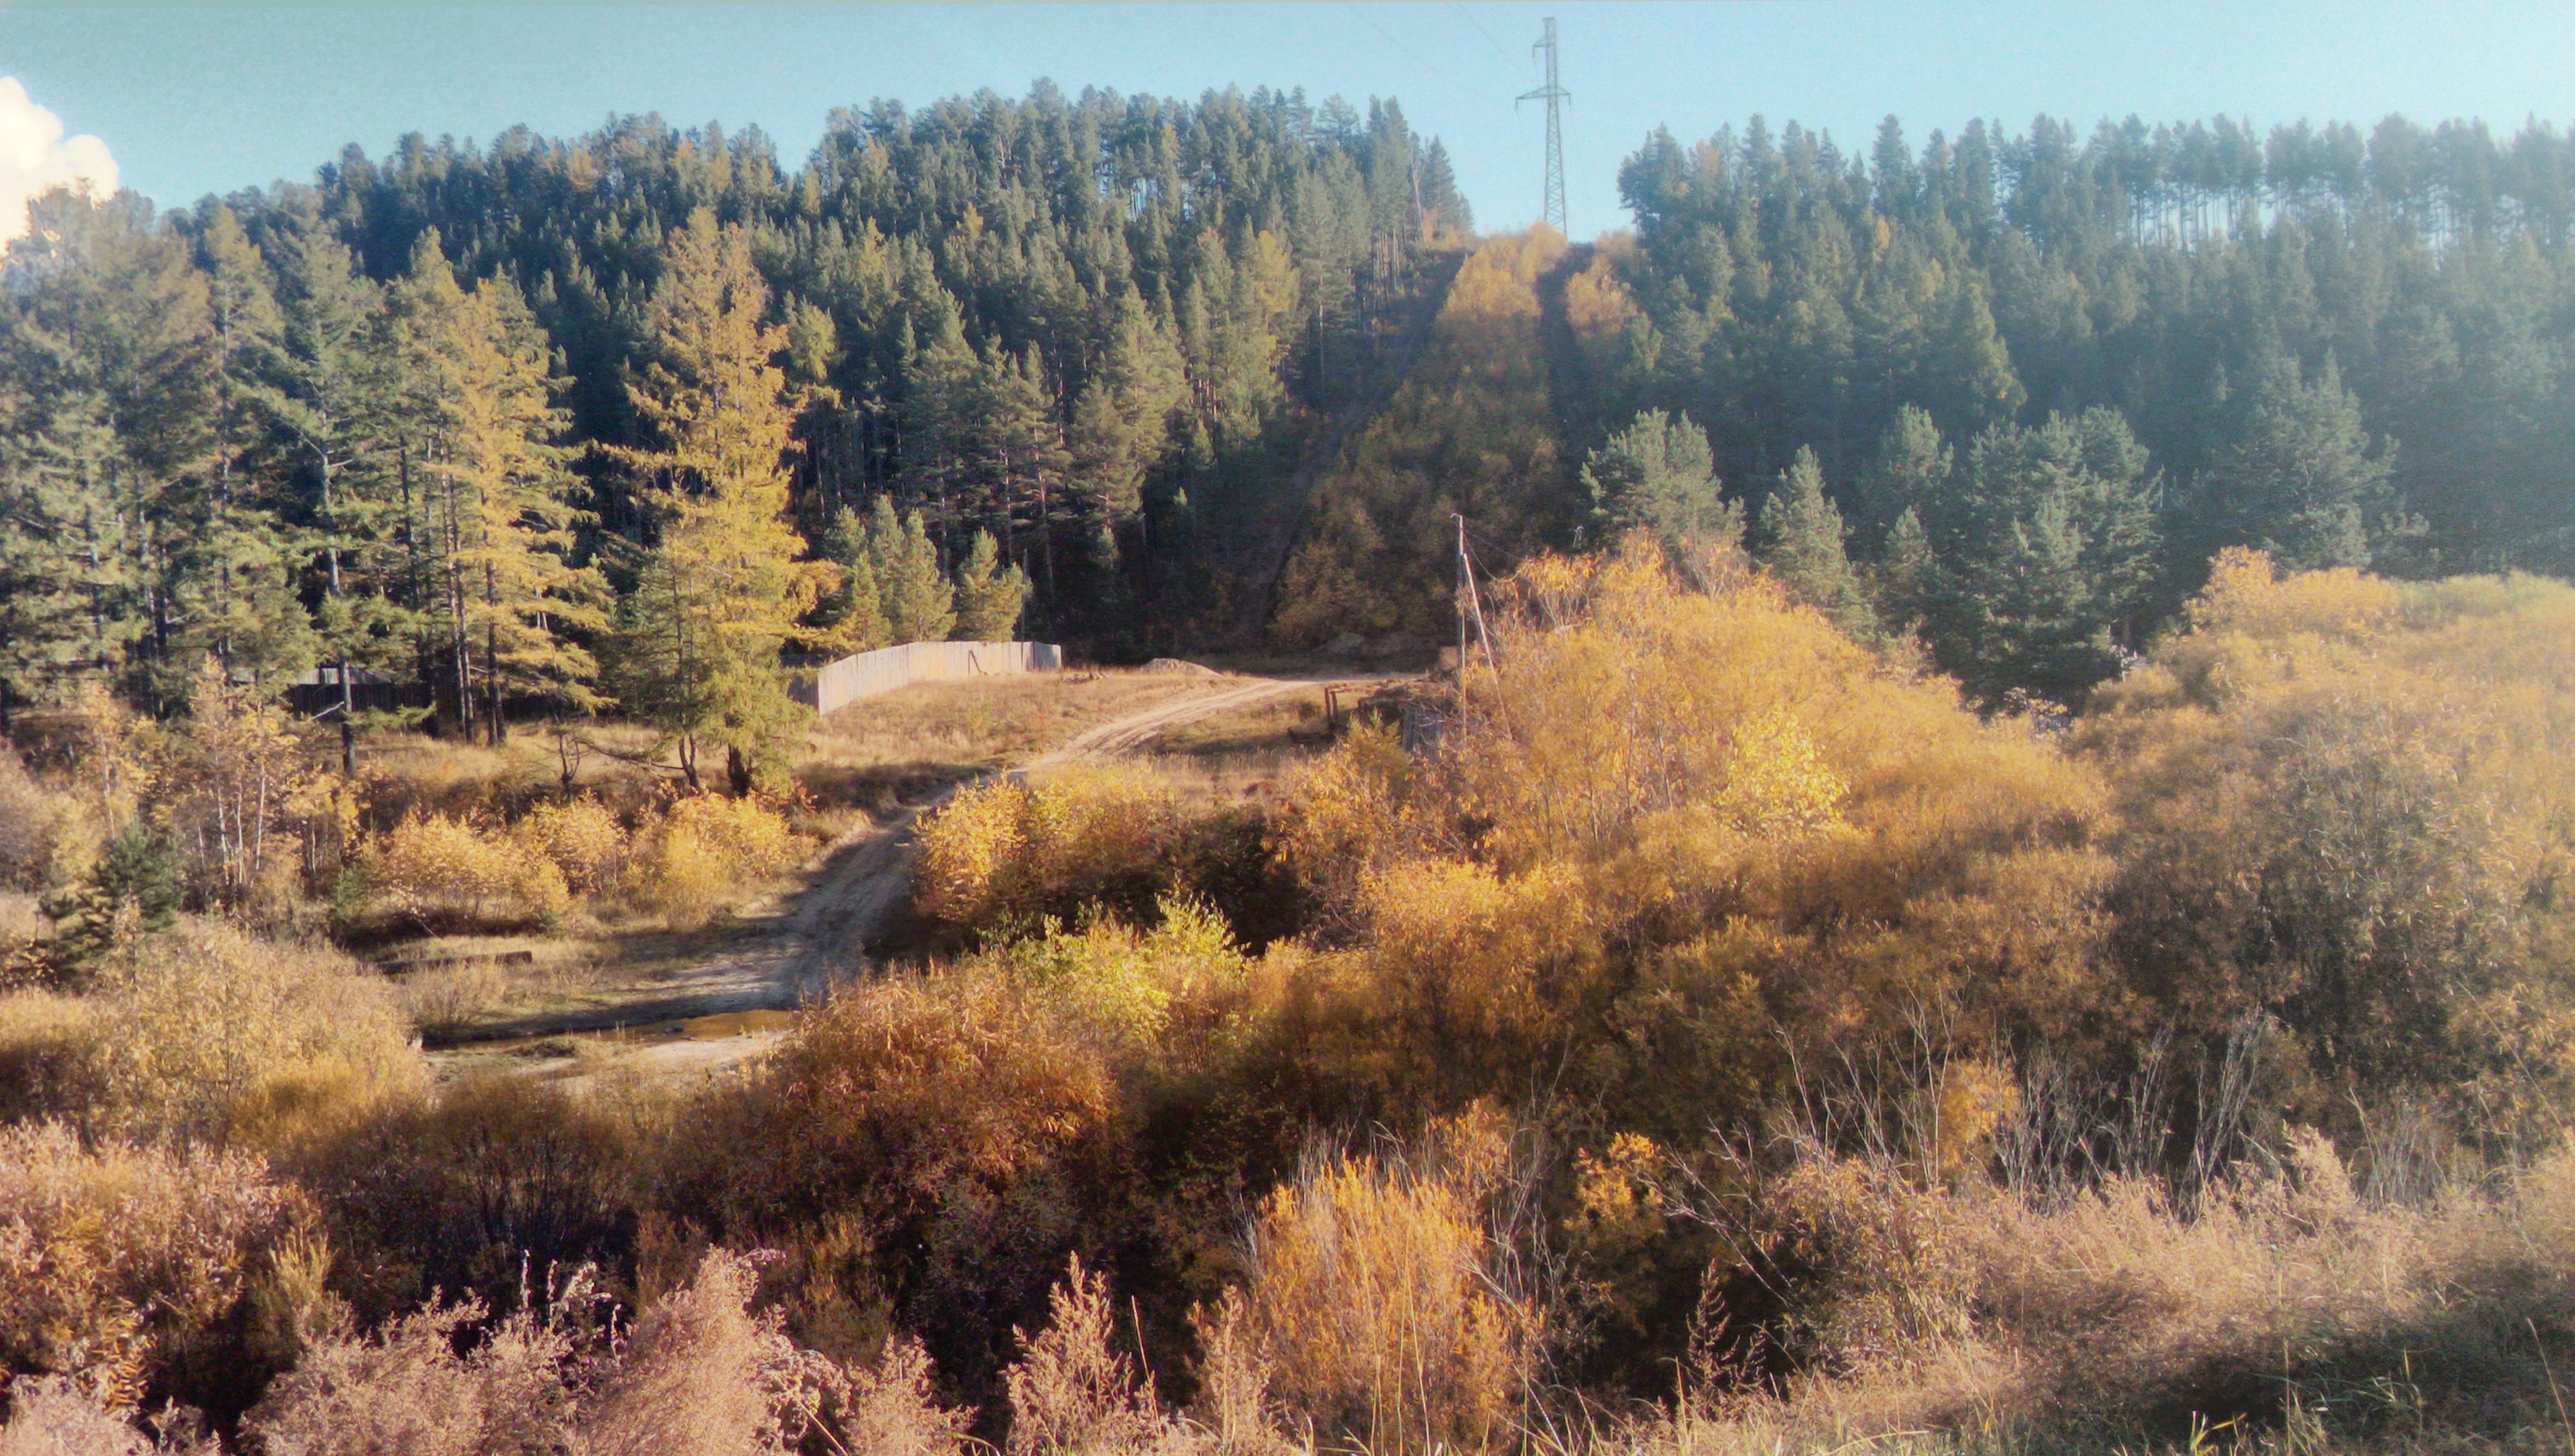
(2042, 376)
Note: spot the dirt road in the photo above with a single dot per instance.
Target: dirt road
(806, 943)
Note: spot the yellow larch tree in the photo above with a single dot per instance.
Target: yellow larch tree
(719, 595)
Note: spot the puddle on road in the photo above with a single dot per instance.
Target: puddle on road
(721, 1025)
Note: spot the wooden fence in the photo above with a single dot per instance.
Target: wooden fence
(836, 685)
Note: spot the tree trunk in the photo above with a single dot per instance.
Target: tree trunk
(738, 772)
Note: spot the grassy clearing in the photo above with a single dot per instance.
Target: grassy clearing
(603, 955)
(876, 754)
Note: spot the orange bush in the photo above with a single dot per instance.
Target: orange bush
(1001, 857)
(1379, 1300)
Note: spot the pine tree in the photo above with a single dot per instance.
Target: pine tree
(853, 612)
(329, 393)
(2049, 554)
(67, 580)
(1658, 475)
(920, 605)
(1906, 578)
(1026, 450)
(989, 595)
(719, 595)
(1797, 538)
(2299, 479)
(111, 382)
(1444, 208)
(235, 592)
(1908, 473)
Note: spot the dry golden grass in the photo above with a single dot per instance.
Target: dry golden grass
(444, 999)
(874, 753)
(1378, 1296)
(207, 1031)
(118, 1260)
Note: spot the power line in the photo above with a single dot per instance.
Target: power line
(1498, 48)
(1409, 54)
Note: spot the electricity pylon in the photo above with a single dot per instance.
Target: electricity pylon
(1552, 211)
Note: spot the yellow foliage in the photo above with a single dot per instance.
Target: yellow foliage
(205, 1029)
(117, 1260)
(1468, 429)
(968, 849)
(1377, 1298)
(425, 867)
(1000, 856)
(1777, 784)
(580, 837)
(1125, 982)
(1476, 966)
(1344, 815)
(706, 849)
(2350, 804)
(1710, 806)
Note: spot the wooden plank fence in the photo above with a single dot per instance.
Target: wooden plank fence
(838, 684)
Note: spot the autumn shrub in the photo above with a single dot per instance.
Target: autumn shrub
(2281, 1305)
(581, 838)
(1074, 1390)
(467, 1192)
(2349, 803)
(435, 871)
(705, 1375)
(407, 1389)
(700, 1374)
(46, 1070)
(29, 813)
(1001, 857)
(1688, 830)
(1126, 983)
(687, 861)
(944, 1133)
(207, 1031)
(1383, 1300)
(131, 1268)
(1869, 1269)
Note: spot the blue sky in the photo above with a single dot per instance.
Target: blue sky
(210, 99)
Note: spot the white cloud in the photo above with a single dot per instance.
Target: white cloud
(35, 158)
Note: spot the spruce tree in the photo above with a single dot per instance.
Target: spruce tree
(2299, 479)
(1908, 473)
(2049, 554)
(989, 594)
(920, 605)
(1658, 475)
(853, 613)
(1797, 538)
(329, 395)
(111, 386)
(236, 583)
(1908, 573)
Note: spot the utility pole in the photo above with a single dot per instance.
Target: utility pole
(1465, 583)
(1551, 212)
